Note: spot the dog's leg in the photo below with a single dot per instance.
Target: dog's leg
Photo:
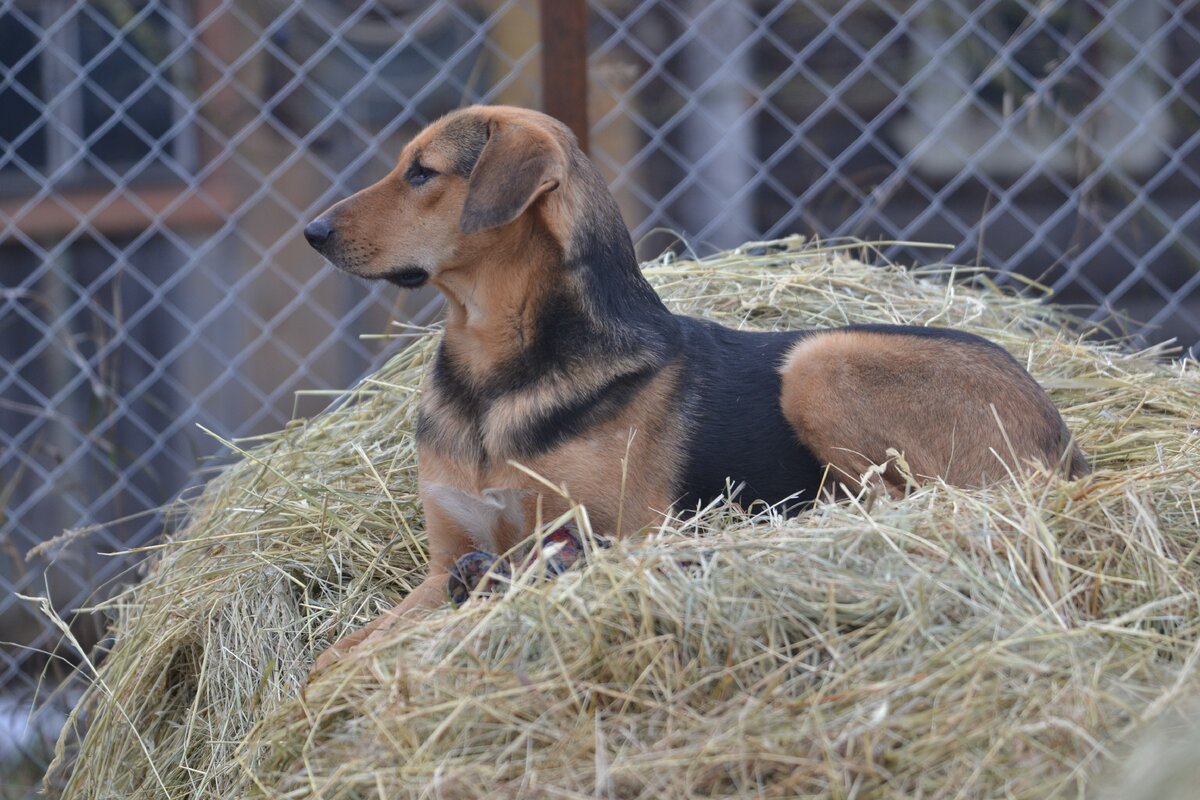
(447, 541)
(961, 410)
(427, 595)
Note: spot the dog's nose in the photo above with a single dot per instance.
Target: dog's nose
(318, 232)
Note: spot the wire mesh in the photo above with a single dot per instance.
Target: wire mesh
(160, 158)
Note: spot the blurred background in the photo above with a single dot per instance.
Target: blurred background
(159, 158)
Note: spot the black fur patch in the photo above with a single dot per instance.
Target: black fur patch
(454, 389)
(736, 431)
(549, 429)
(468, 133)
(563, 338)
(603, 251)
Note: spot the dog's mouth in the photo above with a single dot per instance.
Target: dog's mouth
(407, 277)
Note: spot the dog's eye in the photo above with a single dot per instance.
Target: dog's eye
(419, 174)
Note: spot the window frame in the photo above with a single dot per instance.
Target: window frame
(64, 112)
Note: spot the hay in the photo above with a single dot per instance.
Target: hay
(955, 643)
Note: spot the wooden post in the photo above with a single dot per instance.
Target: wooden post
(564, 64)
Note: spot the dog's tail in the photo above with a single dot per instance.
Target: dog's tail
(1074, 462)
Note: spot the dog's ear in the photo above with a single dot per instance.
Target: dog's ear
(517, 166)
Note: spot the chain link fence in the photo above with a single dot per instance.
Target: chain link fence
(158, 159)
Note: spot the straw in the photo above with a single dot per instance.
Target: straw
(1011, 642)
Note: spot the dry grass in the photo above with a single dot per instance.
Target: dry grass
(1007, 643)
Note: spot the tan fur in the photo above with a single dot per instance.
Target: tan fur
(590, 467)
(853, 395)
(647, 436)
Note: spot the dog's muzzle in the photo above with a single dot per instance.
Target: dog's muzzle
(321, 234)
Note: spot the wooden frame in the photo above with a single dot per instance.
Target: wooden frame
(564, 64)
(138, 205)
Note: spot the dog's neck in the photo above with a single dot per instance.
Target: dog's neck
(536, 302)
(491, 299)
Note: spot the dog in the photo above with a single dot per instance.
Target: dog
(559, 355)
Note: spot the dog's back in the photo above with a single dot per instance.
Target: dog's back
(737, 433)
(767, 412)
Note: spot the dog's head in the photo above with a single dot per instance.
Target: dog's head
(457, 191)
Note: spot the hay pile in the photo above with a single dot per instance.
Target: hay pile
(953, 644)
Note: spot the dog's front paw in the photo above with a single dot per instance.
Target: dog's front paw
(342, 647)
(335, 652)
(478, 573)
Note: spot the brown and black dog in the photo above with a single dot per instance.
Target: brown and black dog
(559, 355)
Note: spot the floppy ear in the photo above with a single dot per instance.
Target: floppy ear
(517, 166)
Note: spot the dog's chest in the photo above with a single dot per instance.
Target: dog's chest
(483, 430)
